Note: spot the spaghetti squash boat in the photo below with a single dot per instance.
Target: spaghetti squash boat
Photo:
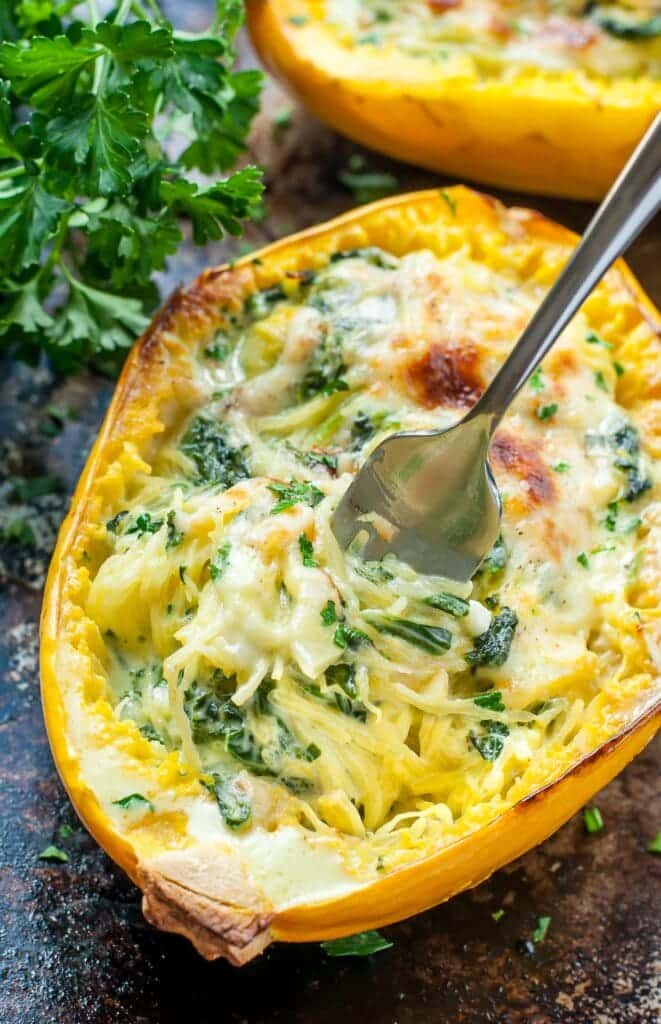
(541, 96)
(277, 740)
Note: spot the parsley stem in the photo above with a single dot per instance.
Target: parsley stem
(101, 66)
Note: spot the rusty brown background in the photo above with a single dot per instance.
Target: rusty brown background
(74, 948)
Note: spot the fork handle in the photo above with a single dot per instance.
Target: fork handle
(630, 204)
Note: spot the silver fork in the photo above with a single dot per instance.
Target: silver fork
(430, 497)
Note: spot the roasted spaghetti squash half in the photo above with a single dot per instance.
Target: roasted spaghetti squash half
(278, 741)
(542, 96)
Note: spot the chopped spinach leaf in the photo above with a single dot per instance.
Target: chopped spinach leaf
(347, 636)
(113, 525)
(216, 461)
(632, 26)
(491, 742)
(375, 572)
(449, 603)
(432, 639)
(356, 945)
(232, 800)
(307, 552)
(328, 614)
(127, 803)
(312, 458)
(495, 560)
(493, 646)
(294, 493)
(583, 560)
(324, 376)
(369, 253)
(492, 700)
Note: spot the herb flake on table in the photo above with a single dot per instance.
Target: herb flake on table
(363, 944)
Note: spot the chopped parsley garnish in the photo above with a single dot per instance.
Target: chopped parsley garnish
(491, 742)
(145, 524)
(541, 930)
(328, 614)
(307, 552)
(448, 603)
(601, 381)
(497, 915)
(562, 467)
(362, 944)
(174, 535)
(593, 339)
(216, 461)
(127, 803)
(65, 831)
(593, 820)
(218, 564)
(294, 493)
(619, 369)
(54, 853)
(364, 184)
(19, 531)
(583, 560)
(493, 646)
(447, 198)
(26, 490)
(432, 639)
(536, 381)
(218, 351)
(655, 845)
(492, 699)
(298, 20)
(346, 636)
(546, 412)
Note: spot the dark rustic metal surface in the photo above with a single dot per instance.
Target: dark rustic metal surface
(74, 947)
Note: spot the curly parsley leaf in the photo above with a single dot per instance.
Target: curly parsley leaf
(90, 197)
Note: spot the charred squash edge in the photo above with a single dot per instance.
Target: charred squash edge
(239, 922)
(538, 133)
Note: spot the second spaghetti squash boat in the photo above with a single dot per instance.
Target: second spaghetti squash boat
(542, 96)
(280, 742)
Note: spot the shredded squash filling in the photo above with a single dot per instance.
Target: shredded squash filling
(494, 37)
(363, 698)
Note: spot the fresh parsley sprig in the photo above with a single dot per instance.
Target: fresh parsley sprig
(91, 192)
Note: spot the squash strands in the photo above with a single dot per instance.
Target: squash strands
(547, 98)
(278, 741)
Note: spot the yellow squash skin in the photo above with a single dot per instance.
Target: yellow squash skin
(542, 132)
(155, 377)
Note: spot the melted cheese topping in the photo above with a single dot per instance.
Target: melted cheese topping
(297, 689)
(612, 40)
